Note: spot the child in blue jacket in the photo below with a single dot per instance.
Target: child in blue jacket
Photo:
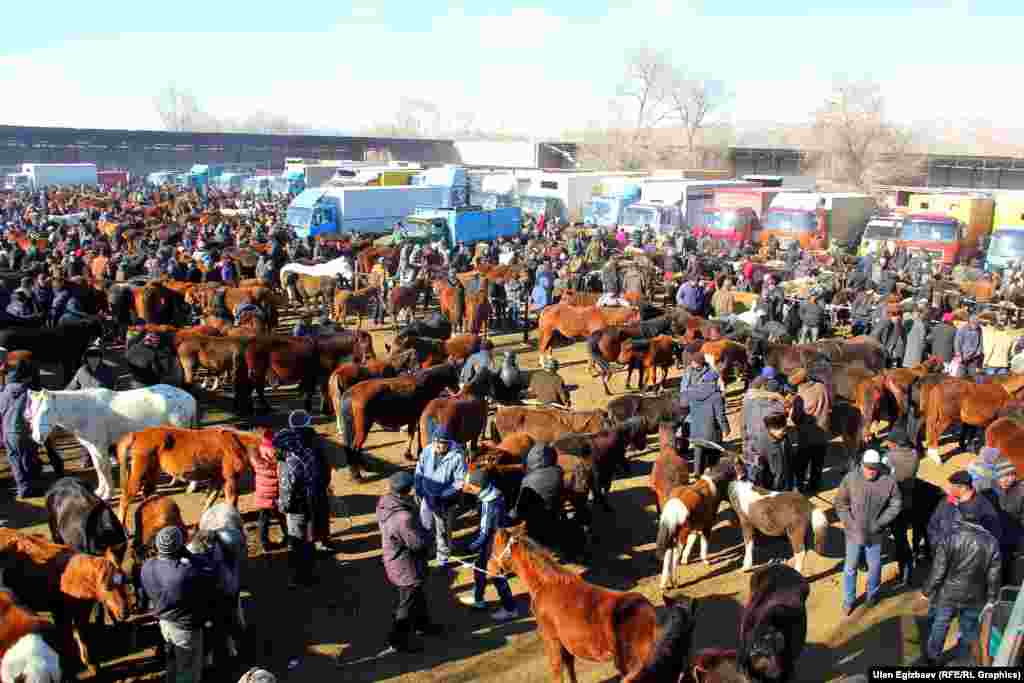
(492, 517)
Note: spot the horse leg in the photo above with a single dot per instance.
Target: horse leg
(748, 550)
(691, 538)
(570, 664)
(796, 540)
(104, 472)
(704, 548)
(668, 568)
(553, 649)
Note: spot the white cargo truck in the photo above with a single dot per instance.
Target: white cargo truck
(56, 175)
(691, 196)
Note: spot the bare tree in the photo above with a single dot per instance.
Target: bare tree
(859, 146)
(648, 73)
(178, 108)
(691, 101)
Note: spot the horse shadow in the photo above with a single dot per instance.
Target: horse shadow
(875, 646)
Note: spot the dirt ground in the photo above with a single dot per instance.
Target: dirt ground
(334, 631)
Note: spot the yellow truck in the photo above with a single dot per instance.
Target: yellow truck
(975, 212)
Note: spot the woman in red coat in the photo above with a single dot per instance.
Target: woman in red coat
(264, 466)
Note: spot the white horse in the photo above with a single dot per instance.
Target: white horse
(99, 417)
(30, 660)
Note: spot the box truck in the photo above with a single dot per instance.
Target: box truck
(607, 209)
(560, 195)
(1007, 243)
(451, 226)
(735, 214)
(816, 219)
(975, 211)
(691, 196)
(52, 175)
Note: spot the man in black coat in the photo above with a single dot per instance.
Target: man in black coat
(966, 575)
(941, 338)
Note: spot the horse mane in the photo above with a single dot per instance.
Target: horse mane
(545, 561)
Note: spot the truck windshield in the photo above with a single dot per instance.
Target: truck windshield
(1008, 243)
(416, 228)
(603, 210)
(300, 216)
(534, 205)
(639, 217)
(875, 231)
(790, 221)
(929, 231)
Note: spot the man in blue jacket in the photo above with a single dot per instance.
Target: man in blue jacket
(17, 433)
(492, 517)
(440, 474)
(969, 346)
(701, 394)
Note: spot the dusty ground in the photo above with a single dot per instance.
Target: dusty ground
(334, 631)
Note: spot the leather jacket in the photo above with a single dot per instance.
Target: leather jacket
(967, 571)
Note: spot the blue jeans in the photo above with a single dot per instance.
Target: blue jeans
(873, 555)
(25, 466)
(500, 583)
(939, 619)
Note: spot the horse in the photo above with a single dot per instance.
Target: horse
(153, 514)
(221, 539)
(670, 469)
(727, 357)
(99, 417)
(574, 321)
(81, 519)
(431, 352)
(393, 404)
(576, 618)
(653, 409)
(478, 314)
(17, 621)
(671, 655)
(403, 298)
(547, 424)
(31, 660)
(647, 356)
(788, 357)
(452, 301)
(347, 375)
(689, 514)
(505, 460)
(773, 628)
(438, 327)
(357, 303)
(212, 454)
(776, 513)
(604, 347)
(308, 289)
(54, 578)
(973, 405)
(222, 356)
(463, 415)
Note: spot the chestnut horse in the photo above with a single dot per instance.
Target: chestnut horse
(356, 303)
(452, 301)
(727, 357)
(463, 416)
(647, 356)
(576, 321)
(1007, 434)
(17, 621)
(576, 618)
(212, 454)
(670, 469)
(431, 352)
(973, 405)
(347, 375)
(478, 313)
(547, 424)
(393, 404)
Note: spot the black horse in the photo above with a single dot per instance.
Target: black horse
(438, 327)
(671, 655)
(773, 628)
(81, 519)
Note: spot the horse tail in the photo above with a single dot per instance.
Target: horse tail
(819, 526)
(346, 420)
(672, 517)
(243, 383)
(124, 446)
(137, 548)
(594, 346)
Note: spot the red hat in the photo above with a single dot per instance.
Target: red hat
(947, 317)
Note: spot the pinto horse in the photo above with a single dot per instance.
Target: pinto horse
(393, 404)
(54, 578)
(579, 321)
(774, 513)
(212, 454)
(576, 618)
(670, 469)
(773, 628)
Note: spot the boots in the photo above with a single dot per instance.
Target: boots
(398, 639)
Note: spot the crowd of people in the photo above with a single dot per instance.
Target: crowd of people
(975, 534)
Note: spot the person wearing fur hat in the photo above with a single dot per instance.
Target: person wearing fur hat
(440, 473)
(180, 591)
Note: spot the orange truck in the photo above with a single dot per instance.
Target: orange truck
(972, 212)
(815, 219)
(736, 214)
(936, 235)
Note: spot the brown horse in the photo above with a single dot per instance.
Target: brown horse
(452, 301)
(478, 313)
(547, 424)
(786, 358)
(647, 356)
(605, 346)
(367, 258)
(958, 400)
(574, 321)
(728, 357)
(393, 404)
(576, 618)
(505, 460)
(670, 469)
(431, 352)
(356, 303)
(222, 357)
(463, 416)
(305, 290)
(347, 375)
(17, 621)
(212, 454)
(404, 298)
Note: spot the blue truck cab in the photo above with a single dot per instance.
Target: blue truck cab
(1005, 248)
(607, 211)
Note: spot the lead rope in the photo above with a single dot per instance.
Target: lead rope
(506, 551)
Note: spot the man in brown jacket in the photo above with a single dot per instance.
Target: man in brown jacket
(724, 300)
(810, 413)
(547, 386)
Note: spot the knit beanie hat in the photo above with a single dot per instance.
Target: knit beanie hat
(256, 675)
(169, 541)
(983, 466)
(401, 482)
(298, 419)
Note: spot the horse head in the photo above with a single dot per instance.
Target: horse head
(500, 562)
(96, 578)
(763, 658)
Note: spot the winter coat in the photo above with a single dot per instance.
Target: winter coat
(724, 302)
(890, 335)
(21, 307)
(689, 297)
(772, 461)
(609, 280)
(967, 569)
(942, 337)
(940, 526)
(866, 507)
(404, 541)
(266, 482)
(302, 479)
(1011, 514)
(811, 314)
(85, 378)
(903, 464)
(543, 475)
(811, 410)
(914, 352)
(479, 361)
(492, 517)
(757, 405)
(439, 480)
(13, 400)
(60, 302)
(969, 343)
(707, 409)
(633, 281)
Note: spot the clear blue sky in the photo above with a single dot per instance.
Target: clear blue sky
(534, 69)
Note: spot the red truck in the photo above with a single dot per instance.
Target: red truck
(736, 214)
(112, 178)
